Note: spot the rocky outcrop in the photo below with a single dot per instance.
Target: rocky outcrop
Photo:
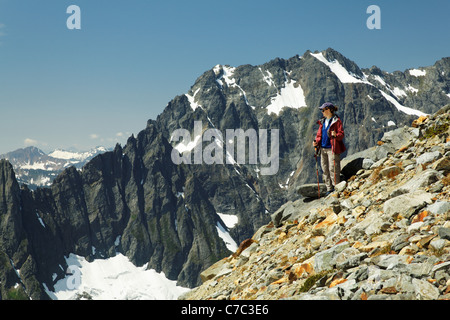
(381, 236)
(19, 272)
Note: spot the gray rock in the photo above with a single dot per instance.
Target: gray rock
(324, 260)
(438, 244)
(283, 213)
(391, 171)
(351, 164)
(421, 180)
(273, 275)
(400, 242)
(349, 258)
(408, 204)
(439, 207)
(312, 190)
(389, 261)
(384, 150)
(367, 163)
(404, 283)
(214, 270)
(379, 163)
(340, 186)
(425, 290)
(419, 270)
(428, 157)
(398, 137)
(442, 266)
(444, 233)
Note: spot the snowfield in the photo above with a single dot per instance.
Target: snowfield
(115, 278)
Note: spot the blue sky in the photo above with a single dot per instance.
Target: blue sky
(95, 86)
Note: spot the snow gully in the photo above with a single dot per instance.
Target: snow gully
(213, 153)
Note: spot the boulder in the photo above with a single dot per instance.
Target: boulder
(325, 260)
(428, 157)
(439, 207)
(444, 233)
(361, 160)
(425, 290)
(349, 258)
(390, 172)
(214, 270)
(397, 138)
(419, 181)
(311, 190)
(442, 165)
(351, 167)
(407, 204)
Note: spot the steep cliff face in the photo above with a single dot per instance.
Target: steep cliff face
(19, 273)
(135, 200)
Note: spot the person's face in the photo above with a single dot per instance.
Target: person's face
(327, 113)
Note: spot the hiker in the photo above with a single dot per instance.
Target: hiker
(329, 140)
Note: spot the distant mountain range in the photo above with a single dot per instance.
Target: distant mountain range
(35, 168)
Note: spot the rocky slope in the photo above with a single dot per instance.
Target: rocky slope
(384, 234)
(135, 200)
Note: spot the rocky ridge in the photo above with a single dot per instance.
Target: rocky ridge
(383, 234)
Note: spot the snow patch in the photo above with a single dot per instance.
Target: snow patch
(80, 156)
(226, 237)
(227, 76)
(402, 108)
(417, 72)
(399, 92)
(380, 80)
(412, 89)
(37, 166)
(343, 75)
(289, 96)
(391, 124)
(268, 78)
(40, 219)
(191, 99)
(116, 278)
(230, 220)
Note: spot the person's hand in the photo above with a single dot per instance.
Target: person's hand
(333, 133)
(314, 143)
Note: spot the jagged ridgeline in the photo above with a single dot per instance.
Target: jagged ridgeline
(135, 200)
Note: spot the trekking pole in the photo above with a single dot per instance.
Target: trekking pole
(316, 151)
(334, 158)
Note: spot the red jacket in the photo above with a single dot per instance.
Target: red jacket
(337, 143)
